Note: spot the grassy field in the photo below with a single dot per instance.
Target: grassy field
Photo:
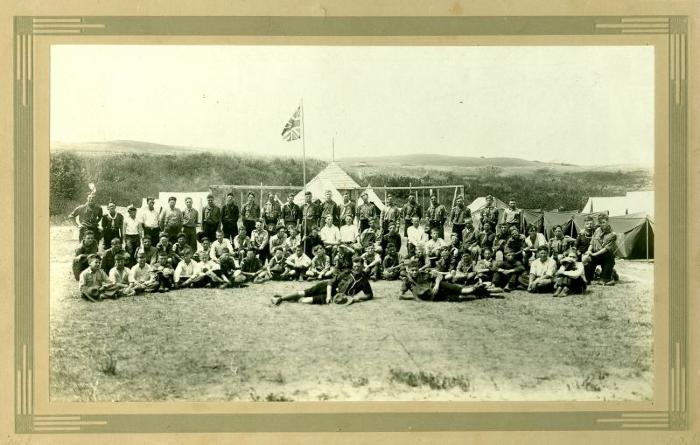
(233, 345)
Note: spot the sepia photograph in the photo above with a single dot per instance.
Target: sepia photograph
(281, 223)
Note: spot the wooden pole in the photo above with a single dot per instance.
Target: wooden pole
(646, 221)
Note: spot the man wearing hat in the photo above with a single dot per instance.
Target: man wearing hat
(271, 210)
(458, 215)
(250, 213)
(291, 213)
(87, 217)
(366, 211)
(211, 218)
(112, 224)
(171, 220)
(132, 232)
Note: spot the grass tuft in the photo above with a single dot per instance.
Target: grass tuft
(434, 381)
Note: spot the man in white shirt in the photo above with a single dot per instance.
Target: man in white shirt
(219, 244)
(330, 235)
(348, 233)
(542, 272)
(140, 274)
(416, 236)
(296, 265)
(132, 231)
(188, 271)
(149, 221)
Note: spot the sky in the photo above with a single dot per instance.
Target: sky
(583, 105)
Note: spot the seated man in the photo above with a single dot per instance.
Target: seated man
(229, 270)
(542, 272)
(499, 241)
(88, 246)
(559, 243)
(178, 247)
(279, 241)
(434, 245)
(415, 236)
(219, 244)
(140, 274)
(188, 271)
(509, 273)
(241, 244)
(369, 236)
(320, 268)
(464, 272)
(444, 263)
(391, 237)
(150, 252)
(470, 238)
(348, 232)
(110, 255)
(372, 262)
(485, 266)
(275, 267)
(293, 239)
(94, 283)
(391, 266)
(346, 287)
(164, 245)
(602, 253)
(296, 264)
(251, 266)
(119, 276)
(259, 241)
(162, 274)
(516, 242)
(570, 278)
(429, 285)
(330, 235)
(533, 241)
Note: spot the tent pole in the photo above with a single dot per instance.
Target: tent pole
(261, 196)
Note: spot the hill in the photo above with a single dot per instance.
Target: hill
(122, 146)
(433, 160)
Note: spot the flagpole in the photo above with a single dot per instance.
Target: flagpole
(303, 165)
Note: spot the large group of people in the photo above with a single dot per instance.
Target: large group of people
(344, 247)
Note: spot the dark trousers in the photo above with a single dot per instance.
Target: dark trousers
(269, 221)
(152, 233)
(458, 228)
(230, 230)
(406, 224)
(107, 236)
(190, 237)
(209, 230)
(607, 263)
(512, 280)
(173, 233)
(575, 285)
(249, 225)
(364, 224)
(131, 243)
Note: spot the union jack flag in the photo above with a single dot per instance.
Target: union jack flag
(291, 129)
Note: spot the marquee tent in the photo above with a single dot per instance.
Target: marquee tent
(479, 203)
(635, 235)
(632, 202)
(331, 178)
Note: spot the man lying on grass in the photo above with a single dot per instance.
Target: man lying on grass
(430, 285)
(347, 287)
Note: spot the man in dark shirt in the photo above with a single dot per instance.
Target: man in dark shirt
(250, 213)
(330, 208)
(489, 214)
(347, 208)
(430, 285)
(436, 214)
(583, 240)
(310, 214)
(366, 211)
(211, 218)
(409, 210)
(509, 274)
(88, 246)
(602, 253)
(271, 210)
(112, 224)
(88, 217)
(109, 257)
(391, 237)
(390, 214)
(346, 287)
(291, 213)
(190, 219)
(458, 215)
(229, 218)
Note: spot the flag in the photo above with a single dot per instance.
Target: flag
(291, 129)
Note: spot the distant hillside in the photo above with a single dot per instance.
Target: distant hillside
(434, 160)
(115, 147)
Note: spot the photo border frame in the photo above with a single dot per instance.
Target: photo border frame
(28, 28)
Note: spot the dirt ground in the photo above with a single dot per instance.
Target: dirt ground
(211, 344)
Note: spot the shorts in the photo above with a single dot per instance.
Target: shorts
(317, 292)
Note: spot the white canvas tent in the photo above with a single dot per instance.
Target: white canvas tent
(632, 202)
(373, 198)
(479, 203)
(331, 178)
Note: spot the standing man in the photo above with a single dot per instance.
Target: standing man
(390, 214)
(310, 215)
(112, 224)
(190, 218)
(229, 218)
(458, 215)
(250, 213)
(291, 213)
(366, 211)
(489, 214)
(330, 208)
(436, 214)
(211, 218)
(347, 208)
(409, 210)
(271, 210)
(87, 217)
(513, 216)
(171, 220)
(149, 221)
(132, 232)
